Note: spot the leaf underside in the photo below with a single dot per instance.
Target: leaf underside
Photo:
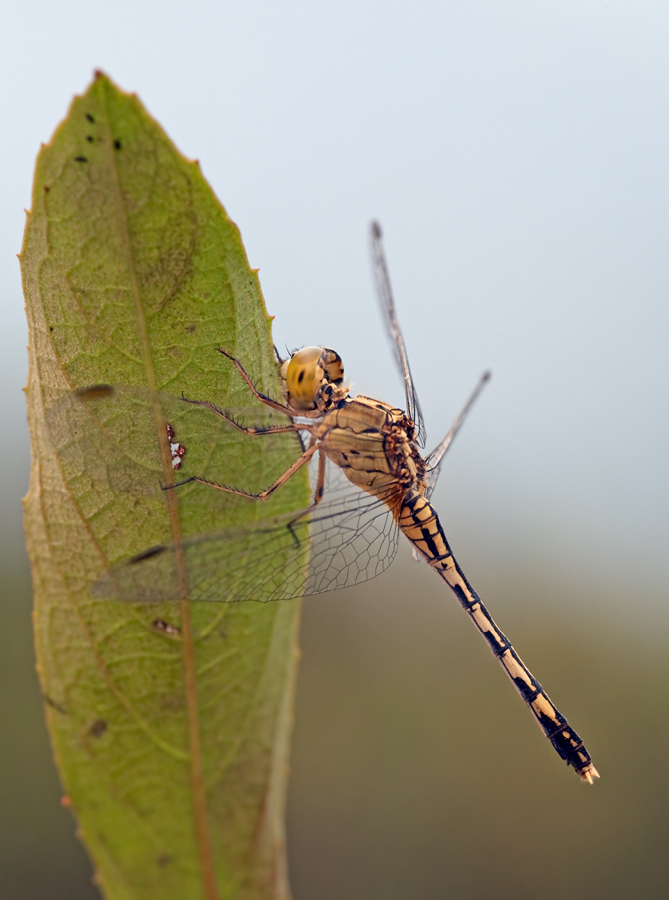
(170, 723)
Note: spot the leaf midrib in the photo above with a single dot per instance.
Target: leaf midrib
(202, 834)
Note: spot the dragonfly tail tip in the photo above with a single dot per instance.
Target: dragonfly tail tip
(589, 774)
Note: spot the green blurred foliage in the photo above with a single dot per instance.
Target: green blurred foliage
(418, 773)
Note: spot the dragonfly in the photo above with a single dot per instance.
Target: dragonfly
(372, 483)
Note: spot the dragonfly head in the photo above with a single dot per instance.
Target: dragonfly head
(313, 380)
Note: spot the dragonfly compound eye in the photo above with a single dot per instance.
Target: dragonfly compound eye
(303, 376)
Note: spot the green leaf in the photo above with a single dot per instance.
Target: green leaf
(170, 723)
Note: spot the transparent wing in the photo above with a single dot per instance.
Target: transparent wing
(434, 459)
(333, 545)
(106, 440)
(107, 436)
(392, 326)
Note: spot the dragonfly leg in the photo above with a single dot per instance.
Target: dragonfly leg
(262, 495)
(251, 429)
(318, 493)
(320, 481)
(254, 390)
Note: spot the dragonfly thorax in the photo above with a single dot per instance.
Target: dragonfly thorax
(313, 381)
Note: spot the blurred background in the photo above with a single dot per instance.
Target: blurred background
(516, 153)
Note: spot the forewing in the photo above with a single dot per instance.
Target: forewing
(107, 435)
(336, 544)
(385, 295)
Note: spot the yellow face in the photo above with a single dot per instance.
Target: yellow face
(303, 375)
(313, 379)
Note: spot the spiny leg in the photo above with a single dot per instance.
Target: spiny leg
(318, 494)
(251, 429)
(320, 481)
(263, 398)
(262, 495)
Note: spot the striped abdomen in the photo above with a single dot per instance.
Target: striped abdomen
(419, 522)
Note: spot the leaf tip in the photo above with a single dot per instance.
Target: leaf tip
(101, 79)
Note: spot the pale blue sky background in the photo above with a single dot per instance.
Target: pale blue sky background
(516, 154)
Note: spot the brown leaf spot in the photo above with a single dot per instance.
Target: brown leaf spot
(98, 728)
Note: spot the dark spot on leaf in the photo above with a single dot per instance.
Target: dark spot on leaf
(191, 329)
(80, 159)
(50, 327)
(164, 860)
(46, 188)
(54, 704)
(90, 117)
(117, 145)
(89, 138)
(98, 728)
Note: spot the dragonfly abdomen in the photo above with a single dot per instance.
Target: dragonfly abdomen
(419, 521)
